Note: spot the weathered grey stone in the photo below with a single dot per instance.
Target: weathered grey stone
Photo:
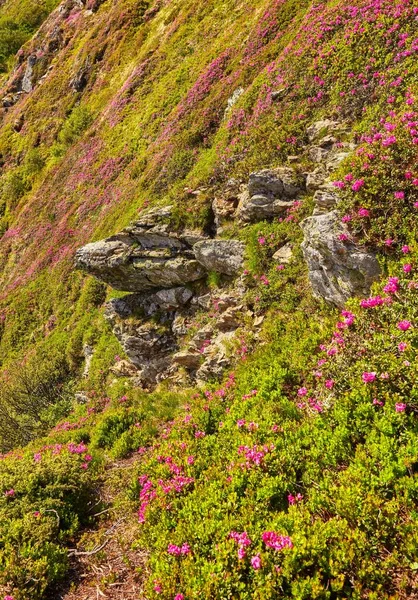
(321, 128)
(278, 94)
(139, 261)
(274, 182)
(318, 154)
(222, 256)
(216, 357)
(338, 269)
(188, 358)
(88, 352)
(27, 84)
(173, 298)
(284, 254)
(229, 319)
(233, 100)
(147, 342)
(124, 368)
(325, 199)
(315, 179)
(269, 194)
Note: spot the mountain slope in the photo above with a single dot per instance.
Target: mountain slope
(294, 474)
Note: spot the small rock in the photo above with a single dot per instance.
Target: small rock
(229, 319)
(222, 256)
(284, 254)
(88, 355)
(315, 179)
(325, 199)
(278, 94)
(321, 128)
(188, 359)
(318, 154)
(27, 84)
(81, 397)
(233, 100)
(124, 368)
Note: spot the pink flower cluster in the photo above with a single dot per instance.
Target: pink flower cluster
(183, 550)
(256, 454)
(276, 541)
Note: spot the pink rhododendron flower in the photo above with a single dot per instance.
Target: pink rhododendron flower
(10, 493)
(392, 285)
(157, 587)
(363, 212)
(276, 541)
(357, 185)
(179, 597)
(405, 249)
(404, 325)
(377, 402)
(399, 195)
(402, 346)
(329, 384)
(302, 391)
(407, 268)
(256, 562)
(368, 377)
(400, 407)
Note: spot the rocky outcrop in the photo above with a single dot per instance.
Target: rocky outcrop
(152, 323)
(143, 325)
(270, 194)
(222, 256)
(143, 256)
(338, 268)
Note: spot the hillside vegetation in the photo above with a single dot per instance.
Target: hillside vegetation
(294, 475)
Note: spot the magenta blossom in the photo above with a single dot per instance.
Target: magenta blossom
(402, 346)
(256, 562)
(363, 212)
(404, 325)
(276, 541)
(400, 407)
(405, 249)
(399, 195)
(368, 377)
(357, 185)
(179, 597)
(407, 268)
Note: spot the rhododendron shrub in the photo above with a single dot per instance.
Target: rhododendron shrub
(52, 488)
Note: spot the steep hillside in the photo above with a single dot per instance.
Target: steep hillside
(237, 381)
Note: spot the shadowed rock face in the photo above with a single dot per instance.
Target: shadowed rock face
(338, 269)
(143, 325)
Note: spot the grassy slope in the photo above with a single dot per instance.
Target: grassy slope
(150, 124)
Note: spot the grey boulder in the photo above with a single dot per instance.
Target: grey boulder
(338, 269)
(270, 193)
(222, 256)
